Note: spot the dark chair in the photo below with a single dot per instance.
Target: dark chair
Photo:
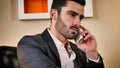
(8, 57)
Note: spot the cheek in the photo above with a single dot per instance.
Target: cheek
(67, 21)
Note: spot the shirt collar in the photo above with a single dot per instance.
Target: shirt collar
(58, 43)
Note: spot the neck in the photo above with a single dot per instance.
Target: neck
(58, 35)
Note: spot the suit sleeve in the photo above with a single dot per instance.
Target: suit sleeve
(32, 56)
(92, 64)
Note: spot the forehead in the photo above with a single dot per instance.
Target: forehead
(74, 6)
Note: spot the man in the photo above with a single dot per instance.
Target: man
(51, 49)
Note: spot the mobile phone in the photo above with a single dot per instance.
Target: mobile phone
(79, 37)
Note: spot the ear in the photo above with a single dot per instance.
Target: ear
(53, 14)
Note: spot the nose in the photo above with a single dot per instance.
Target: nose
(77, 21)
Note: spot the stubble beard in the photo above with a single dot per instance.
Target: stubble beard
(61, 28)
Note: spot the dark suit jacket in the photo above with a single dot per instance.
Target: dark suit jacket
(39, 51)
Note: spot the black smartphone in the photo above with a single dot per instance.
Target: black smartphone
(79, 37)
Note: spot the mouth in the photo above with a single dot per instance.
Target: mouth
(74, 30)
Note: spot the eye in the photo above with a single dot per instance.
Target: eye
(81, 17)
(72, 14)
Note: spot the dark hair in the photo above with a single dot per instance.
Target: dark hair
(58, 4)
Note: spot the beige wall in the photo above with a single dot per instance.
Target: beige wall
(104, 25)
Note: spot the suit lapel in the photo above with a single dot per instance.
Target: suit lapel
(48, 39)
(80, 56)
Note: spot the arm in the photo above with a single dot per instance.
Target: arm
(33, 55)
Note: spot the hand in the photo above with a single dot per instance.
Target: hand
(89, 44)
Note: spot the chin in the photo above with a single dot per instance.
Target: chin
(72, 37)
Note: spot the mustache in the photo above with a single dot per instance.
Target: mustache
(74, 26)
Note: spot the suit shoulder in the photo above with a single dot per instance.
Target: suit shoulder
(29, 39)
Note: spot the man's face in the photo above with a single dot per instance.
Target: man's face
(69, 20)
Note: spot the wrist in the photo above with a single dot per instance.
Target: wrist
(92, 55)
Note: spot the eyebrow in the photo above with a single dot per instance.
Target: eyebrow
(73, 12)
(81, 16)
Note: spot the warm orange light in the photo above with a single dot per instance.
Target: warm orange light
(35, 6)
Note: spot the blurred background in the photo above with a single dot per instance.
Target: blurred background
(105, 26)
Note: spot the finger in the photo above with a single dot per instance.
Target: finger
(83, 28)
(87, 37)
(84, 33)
